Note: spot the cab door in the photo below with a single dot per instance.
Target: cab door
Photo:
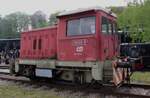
(104, 38)
(109, 40)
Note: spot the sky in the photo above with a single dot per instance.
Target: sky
(52, 6)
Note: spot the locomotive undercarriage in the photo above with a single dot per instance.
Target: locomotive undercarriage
(76, 72)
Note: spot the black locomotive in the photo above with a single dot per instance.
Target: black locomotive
(137, 53)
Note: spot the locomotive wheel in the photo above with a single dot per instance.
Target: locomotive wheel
(79, 77)
(76, 77)
(12, 66)
(33, 78)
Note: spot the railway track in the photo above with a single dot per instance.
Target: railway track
(103, 91)
(143, 86)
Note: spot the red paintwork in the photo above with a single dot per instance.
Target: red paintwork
(72, 48)
(48, 43)
(138, 66)
(93, 45)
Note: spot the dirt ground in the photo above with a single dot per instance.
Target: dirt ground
(17, 90)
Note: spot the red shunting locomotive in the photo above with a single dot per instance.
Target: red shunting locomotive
(80, 48)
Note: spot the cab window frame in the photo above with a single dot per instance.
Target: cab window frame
(104, 25)
(68, 34)
(110, 26)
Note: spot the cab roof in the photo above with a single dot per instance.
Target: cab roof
(80, 10)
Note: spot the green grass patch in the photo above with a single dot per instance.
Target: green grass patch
(141, 77)
(11, 91)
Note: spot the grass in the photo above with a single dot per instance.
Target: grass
(141, 77)
(11, 91)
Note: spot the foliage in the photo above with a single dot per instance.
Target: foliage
(12, 24)
(135, 19)
(38, 20)
(117, 10)
(53, 19)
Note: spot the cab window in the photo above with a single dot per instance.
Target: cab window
(81, 26)
(104, 25)
(108, 27)
(114, 28)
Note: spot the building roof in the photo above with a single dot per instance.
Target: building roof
(9, 39)
(87, 9)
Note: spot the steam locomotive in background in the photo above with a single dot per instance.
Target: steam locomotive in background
(9, 48)
(84, 47)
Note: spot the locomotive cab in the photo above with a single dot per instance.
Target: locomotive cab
(87, 42)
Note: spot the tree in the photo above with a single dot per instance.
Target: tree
(6, 29)
(117, 10)
(53, 19)
(23, 22)
(136, 17)
(38, 20)
(0, 25)
(12, 24)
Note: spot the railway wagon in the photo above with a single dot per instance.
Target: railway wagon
(80, 48)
